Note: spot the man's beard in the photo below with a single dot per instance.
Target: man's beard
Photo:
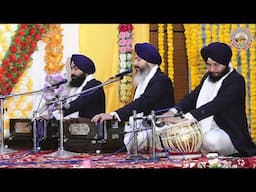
(77, 81)
(214, 79)
(141, 75)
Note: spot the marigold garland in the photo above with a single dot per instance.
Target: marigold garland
(53, 49)
(200, 62)
(207, 34)
(253, 84)
(53, 64)
(192, 49)
(234, 59)
(161, 45)
(170, 52)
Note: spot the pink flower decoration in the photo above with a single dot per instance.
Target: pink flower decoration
(128, 48)
(122, 42)
(129, 42)
(125, 58)
(122, 35)
(122, 49)
(127, 34)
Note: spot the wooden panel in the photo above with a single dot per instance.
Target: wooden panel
(153, 27)
(179, 58)
(178, 27)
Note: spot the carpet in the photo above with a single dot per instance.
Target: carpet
(29, 159)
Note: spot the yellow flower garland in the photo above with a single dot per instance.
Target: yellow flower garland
(252, 84)
(188, 47)
(170, 52)
(199, 45)
(235, 52)
(53, 49)
(161, 48)
(191, 34)
(161, 45)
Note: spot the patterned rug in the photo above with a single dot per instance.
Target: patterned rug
(44, 159)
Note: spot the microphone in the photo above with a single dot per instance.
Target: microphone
(57, 84)
(60, 83)
(122, 74)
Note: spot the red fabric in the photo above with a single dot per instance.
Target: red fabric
(26, 159)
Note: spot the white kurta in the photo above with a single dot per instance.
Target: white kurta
(144, 137)
(214, 138)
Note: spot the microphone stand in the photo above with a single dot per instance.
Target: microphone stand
(153, 138)
(61, 152)
(135, 131)
(153, 118)
(135, 156)
(153, 147)
(109, 81)
(3, 148)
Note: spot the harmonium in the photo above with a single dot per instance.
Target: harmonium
(21, 134)
(79, 135)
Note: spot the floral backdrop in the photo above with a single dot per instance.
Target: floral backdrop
(19, 42)
(17, 57)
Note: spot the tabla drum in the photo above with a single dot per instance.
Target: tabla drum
(183, 137)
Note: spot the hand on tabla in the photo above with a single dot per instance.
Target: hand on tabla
(169, 117)
(174, 120)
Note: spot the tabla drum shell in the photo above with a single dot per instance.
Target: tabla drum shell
(183, 137)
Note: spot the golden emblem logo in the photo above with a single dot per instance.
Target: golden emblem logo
(241, 39)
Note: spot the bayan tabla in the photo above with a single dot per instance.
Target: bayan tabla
(182, 137)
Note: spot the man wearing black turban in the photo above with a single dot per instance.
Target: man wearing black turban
(154, 91)
(89, 103)
(218, 103)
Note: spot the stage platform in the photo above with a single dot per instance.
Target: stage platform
(29, 159)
